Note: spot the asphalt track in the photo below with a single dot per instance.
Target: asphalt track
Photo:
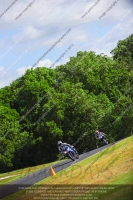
(44, 173)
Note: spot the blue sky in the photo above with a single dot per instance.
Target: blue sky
(25, 40)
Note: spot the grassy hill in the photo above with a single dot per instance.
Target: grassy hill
(107, 175)
(6, 178)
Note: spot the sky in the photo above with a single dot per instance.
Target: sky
(37, 32)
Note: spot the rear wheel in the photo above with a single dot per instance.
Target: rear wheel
(77, 155)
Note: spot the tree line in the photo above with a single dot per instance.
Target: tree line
(67, 103)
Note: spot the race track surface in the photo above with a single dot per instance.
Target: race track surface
(44, 173)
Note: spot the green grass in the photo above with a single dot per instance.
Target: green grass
(110, 167)
(15, 175)
(123, 188)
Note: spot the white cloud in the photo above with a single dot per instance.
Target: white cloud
(43, 63)
(46, 23)
(47, 63)
(1, 69)
(119, 32)
(29, 34)
(7, 78)
(22, 70)
(10, 75)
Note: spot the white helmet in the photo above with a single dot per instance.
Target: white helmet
(59, 143)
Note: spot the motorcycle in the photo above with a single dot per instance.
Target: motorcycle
(70, 153)
(103, 140)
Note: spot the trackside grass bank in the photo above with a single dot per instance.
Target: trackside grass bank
(9, 177)
(107, 175)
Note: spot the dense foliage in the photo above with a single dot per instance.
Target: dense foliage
(67, 103)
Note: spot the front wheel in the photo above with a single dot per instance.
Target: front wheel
(70, 155)
(105, 141)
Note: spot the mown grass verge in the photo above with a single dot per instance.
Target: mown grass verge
(9, 177)
(112, 167)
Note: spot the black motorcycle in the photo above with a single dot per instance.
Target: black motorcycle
(103, 140)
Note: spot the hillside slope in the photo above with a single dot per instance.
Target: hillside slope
(110, 170)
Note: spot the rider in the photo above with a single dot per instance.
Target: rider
(61, 145)
(99, 136)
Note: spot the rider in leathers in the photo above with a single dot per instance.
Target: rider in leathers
(99, 136)
(61, 145)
